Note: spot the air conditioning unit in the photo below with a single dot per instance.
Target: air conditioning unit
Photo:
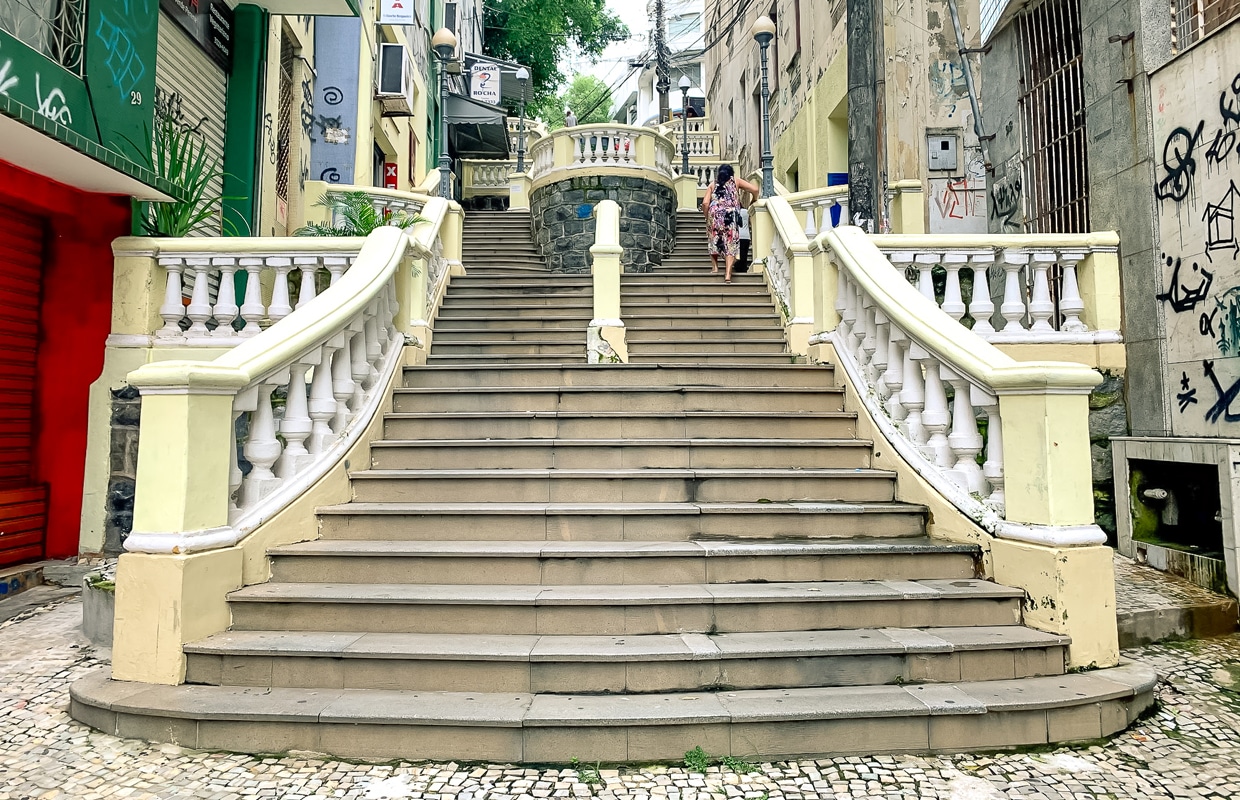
(394, 84)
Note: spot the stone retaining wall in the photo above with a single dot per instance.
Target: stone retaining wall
(647, 221)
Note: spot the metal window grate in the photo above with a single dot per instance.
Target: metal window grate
(1191, 20)
(55, 28)
(1052, 106)
(284, 130)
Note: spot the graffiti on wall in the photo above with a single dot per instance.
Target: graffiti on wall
(958, 203)
(1196, 193)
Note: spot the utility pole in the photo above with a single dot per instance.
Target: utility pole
(662, 69)
(865, 194)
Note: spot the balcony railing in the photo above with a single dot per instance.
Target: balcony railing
(55, 28)
(592, 147)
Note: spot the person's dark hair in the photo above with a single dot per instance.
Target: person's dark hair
(724, 174)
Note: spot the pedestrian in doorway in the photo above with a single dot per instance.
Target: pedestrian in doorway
(721, 204)
(570, 119)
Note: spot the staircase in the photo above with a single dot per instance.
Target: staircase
(509, 307)
(546, 560)
(684, 314)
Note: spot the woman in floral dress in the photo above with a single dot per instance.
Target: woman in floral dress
(721, 206)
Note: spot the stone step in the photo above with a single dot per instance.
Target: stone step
(615, 610)
(519, 282)
(693, 277)
(487, 360)
(619, 521)
(474, 268)
(635, 322)
(700, 293)
(740, 304)
(568, 664)
(566, 296)
(621, 453)
(657, 333)
(500, 332)
(609, 398)
(643, 485)
(523, 561)
(641, 356)
(577, 311)
(511, 727)
(775, 376)
(524, 309)
(481, 324)
(736, 424)
(716, 347)
(568, 344)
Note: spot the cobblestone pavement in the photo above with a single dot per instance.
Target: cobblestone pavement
(1190, 748)
(1142, 588)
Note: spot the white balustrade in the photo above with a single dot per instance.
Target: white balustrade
(779, 272)
(211, 315)
(1041, 299)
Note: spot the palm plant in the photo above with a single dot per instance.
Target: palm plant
(353, 214)
(180, 156)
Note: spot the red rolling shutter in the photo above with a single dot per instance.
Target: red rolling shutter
(23, 505)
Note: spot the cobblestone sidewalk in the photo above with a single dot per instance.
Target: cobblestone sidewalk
(1189, 749)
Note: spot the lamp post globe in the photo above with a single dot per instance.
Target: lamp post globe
(684, 85)
(444, 45)
(763, 31)
(523, 77)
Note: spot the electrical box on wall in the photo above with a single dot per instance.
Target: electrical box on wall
(942, 151)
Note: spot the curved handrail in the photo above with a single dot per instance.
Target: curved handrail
(601, 147)
(348, 337)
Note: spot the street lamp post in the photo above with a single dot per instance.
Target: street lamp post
(523, 76)
(684, 124)
(763, 31)
(444, 45)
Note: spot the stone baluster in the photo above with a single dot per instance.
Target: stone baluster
(935, 416)
(902, 260)
(893, 378)
(913, 395)
(842, 292)
(965, 440)
(199, 308)
(869, 338)
(173, 309)
(226, 309)
(878, 359)
(296, 425)
(1013, 306)
(309, 266)
(342, 381)
(992, 467)
(1071, 305)
(844, 218)
(811, 225)
(827, 224)
(336, 267)
(926, 263)
(981, 308)
(953, 302)
(322, 404)
(359, 369)
(280, 307)
(262, 449)
(373, 349)
(1041, 307)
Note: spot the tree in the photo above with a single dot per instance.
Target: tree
(540, 33)
(587, 96)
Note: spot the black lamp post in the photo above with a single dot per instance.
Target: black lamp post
(523, 76)
(444, 45)
(684, 85)
(763, 31)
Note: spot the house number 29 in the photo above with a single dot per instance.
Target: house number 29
(135, 98)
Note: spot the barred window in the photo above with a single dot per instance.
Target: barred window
(1191, 20)
(55, 28)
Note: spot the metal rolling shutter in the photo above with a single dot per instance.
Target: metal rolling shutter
(197, 89)
(23, 505)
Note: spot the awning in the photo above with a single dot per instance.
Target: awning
(476, 130)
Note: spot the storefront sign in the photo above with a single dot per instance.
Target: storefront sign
(484, 83)
(396, 12)
(391, 173)
(208, 22)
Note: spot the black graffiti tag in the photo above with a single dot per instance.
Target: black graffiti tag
(1180, 295)
(1179, 163)
(1220, 219)
(1222, 408)
(1005, 203)
(1188, 396)
(1226, 107)
(1206, 323)
(1224, 143)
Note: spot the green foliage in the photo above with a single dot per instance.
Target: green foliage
(738, 765)
(697, 759)
(585, 93)
(541, 34)
(353, 214)
(589, 774)
(180, 156)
